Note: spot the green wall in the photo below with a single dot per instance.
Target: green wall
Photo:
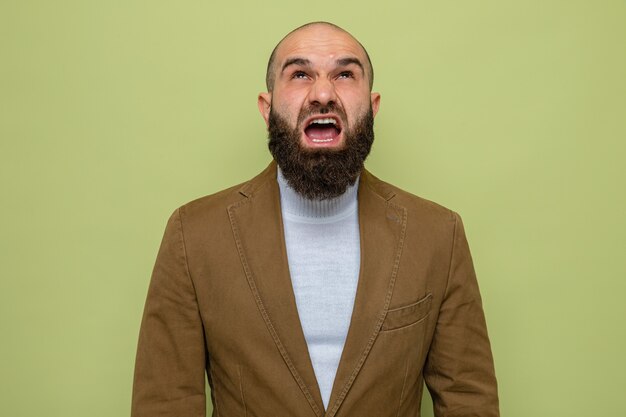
(113, 113)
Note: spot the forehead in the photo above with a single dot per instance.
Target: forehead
(319, 42)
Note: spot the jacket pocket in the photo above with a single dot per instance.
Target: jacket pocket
(408, 315)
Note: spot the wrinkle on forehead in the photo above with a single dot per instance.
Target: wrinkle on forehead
(323, 40)
(320, 40)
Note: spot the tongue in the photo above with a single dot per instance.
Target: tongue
(321, 132)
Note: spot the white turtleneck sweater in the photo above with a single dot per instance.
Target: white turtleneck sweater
(323, 251)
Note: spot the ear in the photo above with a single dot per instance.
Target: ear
(264, 101)
(375, 99)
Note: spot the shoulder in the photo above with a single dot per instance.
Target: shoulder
(214, 207)
(416, 206)
(430, 227)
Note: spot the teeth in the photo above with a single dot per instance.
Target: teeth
(324, 121)
(322, 140)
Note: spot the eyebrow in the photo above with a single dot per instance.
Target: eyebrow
(303, 62)
(343, 62)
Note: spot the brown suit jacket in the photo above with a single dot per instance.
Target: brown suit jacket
(221, 300)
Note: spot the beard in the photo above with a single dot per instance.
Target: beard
(320, 173)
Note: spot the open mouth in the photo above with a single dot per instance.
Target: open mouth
(322, 130)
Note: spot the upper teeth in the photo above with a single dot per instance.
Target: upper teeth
(324, 121)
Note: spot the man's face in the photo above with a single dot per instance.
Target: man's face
(320, 67)
(320, 112)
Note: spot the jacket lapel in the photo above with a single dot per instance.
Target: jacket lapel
(382, 226)
(257, 226)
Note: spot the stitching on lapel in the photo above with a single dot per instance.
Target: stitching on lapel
(381, 318)
(263, 311)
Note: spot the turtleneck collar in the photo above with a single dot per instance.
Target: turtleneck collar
(295, 205)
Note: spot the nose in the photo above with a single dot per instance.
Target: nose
(322, 92)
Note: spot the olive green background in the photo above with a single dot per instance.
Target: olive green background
(113, 113)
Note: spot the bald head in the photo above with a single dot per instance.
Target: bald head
(272, 64)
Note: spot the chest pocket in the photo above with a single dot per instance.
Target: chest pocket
(408, 315)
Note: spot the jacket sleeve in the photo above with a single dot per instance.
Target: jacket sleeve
(459, 371)
(170, 362)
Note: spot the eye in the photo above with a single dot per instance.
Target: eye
(345, 74)
(299, 75)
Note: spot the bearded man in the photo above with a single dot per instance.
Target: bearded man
(314, 289)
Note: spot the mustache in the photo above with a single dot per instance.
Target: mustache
(318, 109)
